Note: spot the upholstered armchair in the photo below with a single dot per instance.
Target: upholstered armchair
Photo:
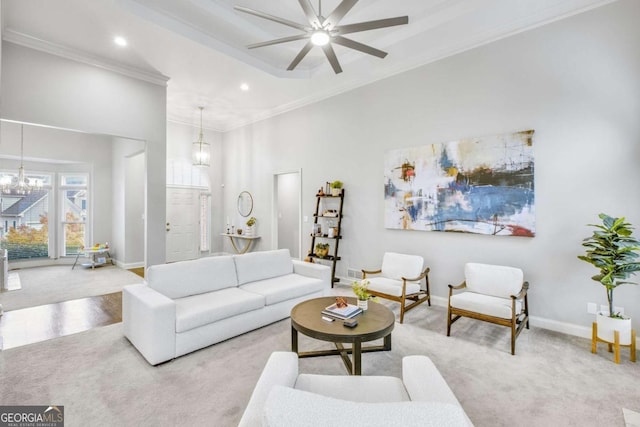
(400, 279)
(492, 293)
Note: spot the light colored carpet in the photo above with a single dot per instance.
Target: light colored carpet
(102, 380)
(47, 285)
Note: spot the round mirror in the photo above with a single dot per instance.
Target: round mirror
(245, 203)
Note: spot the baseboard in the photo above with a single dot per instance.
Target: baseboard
(538, 322)
(130, 265)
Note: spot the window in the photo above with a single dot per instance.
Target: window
(73, 219)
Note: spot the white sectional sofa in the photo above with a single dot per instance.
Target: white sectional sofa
(188, 305)
(284, 398)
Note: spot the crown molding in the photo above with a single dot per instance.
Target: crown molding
(77, 55)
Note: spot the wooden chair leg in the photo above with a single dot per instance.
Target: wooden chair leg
(402, 309)
(616, 345)
(513, 338)
(594, 338)
(610, 347)
(448, 320)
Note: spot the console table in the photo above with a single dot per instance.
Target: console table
(236, 238)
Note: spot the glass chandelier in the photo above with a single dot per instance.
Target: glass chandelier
(200, 150)
(20, 185)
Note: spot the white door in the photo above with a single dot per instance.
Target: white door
(183, 209)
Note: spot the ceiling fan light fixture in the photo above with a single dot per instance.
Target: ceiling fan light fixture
(320, 38)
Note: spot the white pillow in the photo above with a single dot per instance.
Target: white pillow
(286, 407)
(496, 280)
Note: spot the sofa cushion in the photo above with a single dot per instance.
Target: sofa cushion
(396, 266)
(184, 278)
(282, 288)
(198, 310)
(256, 266)
(296, 408)
(496, 280)
(485, 304)
(358, 388)
(391, 286)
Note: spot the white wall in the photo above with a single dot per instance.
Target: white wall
(45, 89)
(179, 139)
(127, 199)
(576, 82)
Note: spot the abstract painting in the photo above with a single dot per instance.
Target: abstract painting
(477, 185)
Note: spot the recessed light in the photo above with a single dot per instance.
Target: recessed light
(120, 41)
(244, 87)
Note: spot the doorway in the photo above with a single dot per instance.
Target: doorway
(288, 210)
(183, 236)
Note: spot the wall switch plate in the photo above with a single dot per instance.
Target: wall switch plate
(305, 218)
(592, 307)
(604, 308)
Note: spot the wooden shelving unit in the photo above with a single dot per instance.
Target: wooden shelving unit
(324, 201)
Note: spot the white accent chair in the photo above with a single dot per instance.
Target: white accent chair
(283, 397)
(493, 293)
(399, 279)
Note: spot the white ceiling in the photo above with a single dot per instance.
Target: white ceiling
(200, 45)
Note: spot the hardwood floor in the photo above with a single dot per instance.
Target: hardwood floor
(35, 324)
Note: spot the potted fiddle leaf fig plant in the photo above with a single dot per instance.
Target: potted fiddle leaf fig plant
(336, 187)
(613, 250)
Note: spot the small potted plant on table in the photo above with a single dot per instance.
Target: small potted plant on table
(250, 226)
(361, 289)
(614, 252)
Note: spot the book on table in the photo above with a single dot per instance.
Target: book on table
(342, 312)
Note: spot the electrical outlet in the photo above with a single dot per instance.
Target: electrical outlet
(305, 218)
(592, 307)
(604, 308)
(619, 310)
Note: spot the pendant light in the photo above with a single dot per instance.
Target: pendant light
(200, 150)
(20, 185)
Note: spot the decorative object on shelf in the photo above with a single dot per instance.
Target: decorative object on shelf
(320, 192)
(200, 150)
(336, 188)
(328, 210)
(324, 32)
(245, 203)
(239, 230)
(361, 290)
(309, 258)
(322, 250)
(251, 222)
(614, 252)
(492, 177)
(20, 184)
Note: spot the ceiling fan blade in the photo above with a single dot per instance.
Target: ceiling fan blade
(331, 56)
(358, 46)
(300, 56)
(310, 13)
(272, 18)
(278, 41)
(372, 25)
(338, 13)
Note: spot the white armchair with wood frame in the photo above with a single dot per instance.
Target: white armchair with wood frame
(400, 279)
(492, 293)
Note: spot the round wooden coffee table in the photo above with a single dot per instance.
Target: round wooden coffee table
(377, 322)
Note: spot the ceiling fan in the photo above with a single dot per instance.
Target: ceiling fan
(323, 31)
